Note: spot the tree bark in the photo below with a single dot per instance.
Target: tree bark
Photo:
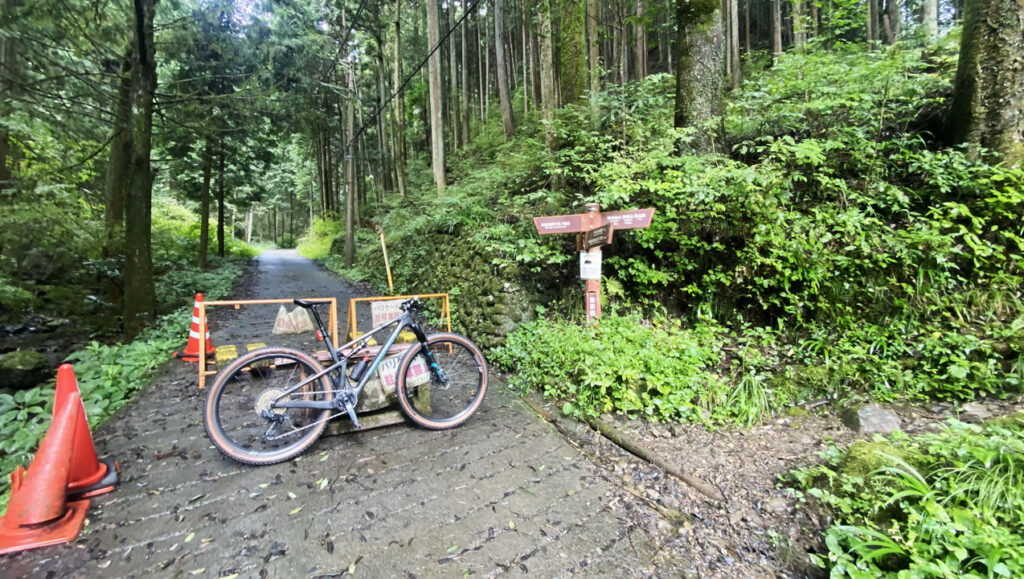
(434, 82)
(640, 36)
(746, 23)
(8, 67)
(776, 28)
(204, 202)
(572, 44)
(988, 93)
(734, 44)
(117, 166)
(453, 82)
(698, 78)
(893, 21)
(547, 79)
(350, 178)
(220, 202)
(139, 293)
(593, 63)
(799, 30)
(507, 119)
(464, 96)
(399, 104)
(873, 21)
(930, 18)
(526, 61)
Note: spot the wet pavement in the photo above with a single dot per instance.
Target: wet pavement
(503, 494)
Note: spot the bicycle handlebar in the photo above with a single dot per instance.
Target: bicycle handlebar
(413, 305)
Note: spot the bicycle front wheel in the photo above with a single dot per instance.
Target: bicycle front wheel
(441, 384)
(240, 415)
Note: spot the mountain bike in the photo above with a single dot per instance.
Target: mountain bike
(271, 404)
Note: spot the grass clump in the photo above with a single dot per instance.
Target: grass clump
(936, 505)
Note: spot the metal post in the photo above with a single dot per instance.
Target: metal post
(592, 287)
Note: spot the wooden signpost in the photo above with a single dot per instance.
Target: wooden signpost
(593, 229)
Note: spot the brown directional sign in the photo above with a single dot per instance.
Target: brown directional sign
(578, 223)
(559, 224)
(593, 229)
(598, 237)
(632, 219)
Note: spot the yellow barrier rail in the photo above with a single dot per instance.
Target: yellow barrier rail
(352, 332)
(237, 304)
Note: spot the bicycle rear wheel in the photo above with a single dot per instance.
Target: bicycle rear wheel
(239, 417)
(444, 396)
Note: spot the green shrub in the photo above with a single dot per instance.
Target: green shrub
(936, 505)
(624, 364)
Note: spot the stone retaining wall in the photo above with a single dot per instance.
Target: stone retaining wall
(488, 300)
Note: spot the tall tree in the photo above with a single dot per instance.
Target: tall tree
(734, 44)
(893, 19)
(434, 86)
(8, 66)
(399, 104)
(776, 28)
(139, 293)
(988, 93)
(547, 77)
(508, 121)
(453, 81)
(930, 18)
(640, 36)
(698, 77)
(351, 208)
(119, 157)
(593, 63)
(204, 202)
(572, 56)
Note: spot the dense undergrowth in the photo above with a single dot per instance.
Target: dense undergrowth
(832, 248)
(108, 374)
(866, 259)
(948, 504)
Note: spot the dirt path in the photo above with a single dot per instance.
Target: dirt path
(505, 494)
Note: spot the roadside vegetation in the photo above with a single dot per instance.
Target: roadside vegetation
(834, 250)
(109, 372)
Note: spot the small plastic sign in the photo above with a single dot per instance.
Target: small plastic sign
(385, 311)
(387, 371)
(590, 264)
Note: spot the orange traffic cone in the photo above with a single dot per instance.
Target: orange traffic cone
(191, 351)
(89, 476)
(38, 513)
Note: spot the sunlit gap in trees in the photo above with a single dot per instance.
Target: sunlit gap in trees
(243, 12)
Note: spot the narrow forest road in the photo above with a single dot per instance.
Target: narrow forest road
(503, 494)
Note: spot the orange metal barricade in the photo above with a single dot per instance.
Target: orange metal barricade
(203, 372)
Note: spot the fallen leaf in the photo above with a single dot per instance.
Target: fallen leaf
(291, 495)
(104, 564)
(512, 525)
(295, 511)
(190, 536)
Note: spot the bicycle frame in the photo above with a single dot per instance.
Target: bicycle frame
(349, 394)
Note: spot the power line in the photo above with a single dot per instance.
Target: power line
(344, 43)
(373, 117)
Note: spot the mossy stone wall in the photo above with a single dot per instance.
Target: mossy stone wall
(488, 299)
